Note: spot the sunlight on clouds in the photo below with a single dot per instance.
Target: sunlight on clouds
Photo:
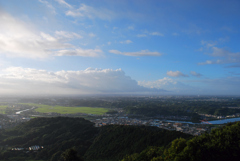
(91, 80)
(31, 74)
(63, 35)
(18, 40)
(17, 80)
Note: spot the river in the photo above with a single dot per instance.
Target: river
(223, 121)
(19, 112)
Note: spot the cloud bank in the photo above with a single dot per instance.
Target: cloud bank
(17, 80)
(169, 84)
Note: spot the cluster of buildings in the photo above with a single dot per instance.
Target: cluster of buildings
(209, 116)
(118, 121)
(31, 148)
(11, 121)
(193, 129)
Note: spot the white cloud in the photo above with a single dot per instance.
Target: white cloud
(48, 5)
(17, 39)
(156, 34)
(159, 84)
(170, 85)
(90, 12)
(209, 44)
(19, 73)
(68, 35)
(224, 56)
(62, 2)
(146, 33)
(227, 57)
(211, 62)
(176, 74)
(223, 53)
(225, 86)
(195, 74)
(126, 42)
(80, 52)
(140, 53)
(20, 80)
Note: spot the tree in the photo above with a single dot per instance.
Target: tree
(177, 146)
(56, 156)
(70, 155)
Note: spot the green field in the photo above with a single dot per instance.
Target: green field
(67, 110)
(3, 109)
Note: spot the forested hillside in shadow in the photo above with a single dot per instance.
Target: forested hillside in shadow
(58, 135)
(114, 142)
(63, 138)
(221, 144)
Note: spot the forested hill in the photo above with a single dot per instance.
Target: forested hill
(63, 137)
(58, 135)
(55, 134)
(220, 145)
(114, 142)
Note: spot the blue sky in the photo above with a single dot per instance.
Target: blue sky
(121, 47)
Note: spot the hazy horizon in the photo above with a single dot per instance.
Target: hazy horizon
(64, 47)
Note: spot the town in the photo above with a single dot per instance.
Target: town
(128, 111)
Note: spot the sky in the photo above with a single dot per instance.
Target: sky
(163, 47)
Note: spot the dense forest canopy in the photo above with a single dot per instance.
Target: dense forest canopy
(221, 144)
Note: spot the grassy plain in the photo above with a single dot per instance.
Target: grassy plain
(3, 109)
(67, 110)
